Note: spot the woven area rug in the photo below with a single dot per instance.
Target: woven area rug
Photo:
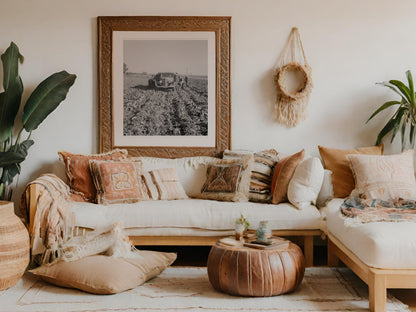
(188, 289)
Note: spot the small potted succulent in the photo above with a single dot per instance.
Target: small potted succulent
(241, 225)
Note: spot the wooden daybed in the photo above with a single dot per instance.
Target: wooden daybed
(382, 254)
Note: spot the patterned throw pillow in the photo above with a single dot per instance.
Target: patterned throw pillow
(336, 161)
(77, 169)
(384, 177)
(261, 173)
(118, 181)
(228, 179)
(283, 173)
(164, 184)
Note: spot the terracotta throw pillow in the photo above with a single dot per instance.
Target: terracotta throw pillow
(228, 179)
(106, 275)
(384, 177)
(77, 169)
(283, 172)
(164, 184)
(336, 161)
(118, 181)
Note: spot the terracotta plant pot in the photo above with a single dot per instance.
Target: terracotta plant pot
(14, 246)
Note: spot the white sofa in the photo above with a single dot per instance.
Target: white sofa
(194, 221)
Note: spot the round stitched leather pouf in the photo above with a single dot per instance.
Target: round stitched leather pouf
(245, 271)
(14, 246)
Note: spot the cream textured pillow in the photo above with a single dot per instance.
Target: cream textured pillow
(336, 161)
(327, 191)
(106, 275)
(164, 184)
(228, 179)
(306, 183)
(384, 177)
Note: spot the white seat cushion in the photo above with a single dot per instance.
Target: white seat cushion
(195, 213)
(384, 245)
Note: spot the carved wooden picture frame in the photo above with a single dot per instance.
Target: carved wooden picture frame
(164, 85)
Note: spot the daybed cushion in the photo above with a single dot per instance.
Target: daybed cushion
(385, 245)
(195, 213)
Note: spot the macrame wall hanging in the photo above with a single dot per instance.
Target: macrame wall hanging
(293, 81)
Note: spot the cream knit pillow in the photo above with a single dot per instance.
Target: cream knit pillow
(384, 177)
(306, 183)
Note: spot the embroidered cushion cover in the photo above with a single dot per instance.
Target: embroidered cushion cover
(228, 179)
(384, 177)
(77, 169)
(336, 161)
(118, 181)
(283, 173)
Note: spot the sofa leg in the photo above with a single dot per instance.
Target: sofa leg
(333, 260)
(308, 250)
(377, 292)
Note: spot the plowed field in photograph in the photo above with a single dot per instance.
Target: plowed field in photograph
(183, 111)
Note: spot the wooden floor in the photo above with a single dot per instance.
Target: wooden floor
(198, 255)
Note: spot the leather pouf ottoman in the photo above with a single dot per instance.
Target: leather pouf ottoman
(245, 271)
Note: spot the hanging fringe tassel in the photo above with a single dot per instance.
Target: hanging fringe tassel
(291, 107)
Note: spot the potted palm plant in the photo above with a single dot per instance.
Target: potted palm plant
(404, 117)
(15, 137)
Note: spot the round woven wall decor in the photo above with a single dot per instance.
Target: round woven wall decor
(293, 80)
(304, 80)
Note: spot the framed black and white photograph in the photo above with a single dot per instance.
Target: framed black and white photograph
(164, 85)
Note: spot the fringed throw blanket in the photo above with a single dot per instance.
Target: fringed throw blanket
(51, 227)
(359, 210)
(51, 220)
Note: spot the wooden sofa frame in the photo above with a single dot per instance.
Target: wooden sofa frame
(306, 236)
(378, 280)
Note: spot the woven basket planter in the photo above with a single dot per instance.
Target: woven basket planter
(14, 246)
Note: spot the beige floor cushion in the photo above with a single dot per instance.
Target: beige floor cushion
(106, 275)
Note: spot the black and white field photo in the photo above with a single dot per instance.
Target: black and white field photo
(165, 88)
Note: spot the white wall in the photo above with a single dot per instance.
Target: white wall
(350, 45)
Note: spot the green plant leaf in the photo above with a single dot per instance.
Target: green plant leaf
(403, 135)
(16, 154)
(9, 172)
(391, 87)
(411, 87)
(10, 60)
(383, 107)
(397, 121)
(13, 89)
(386, 129)
(45, 98)
(403, 89)
(412, 135)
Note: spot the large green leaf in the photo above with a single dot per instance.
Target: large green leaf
(10, 60)
(383, 107)
(13, 89)
(411, 87)
(16, 154)
(45, 98)
(386, 129)
(9, 172)
(403, 134)
(403, 89)
(398, 120)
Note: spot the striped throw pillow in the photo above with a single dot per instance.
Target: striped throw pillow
(164, 184)
(261, 172)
